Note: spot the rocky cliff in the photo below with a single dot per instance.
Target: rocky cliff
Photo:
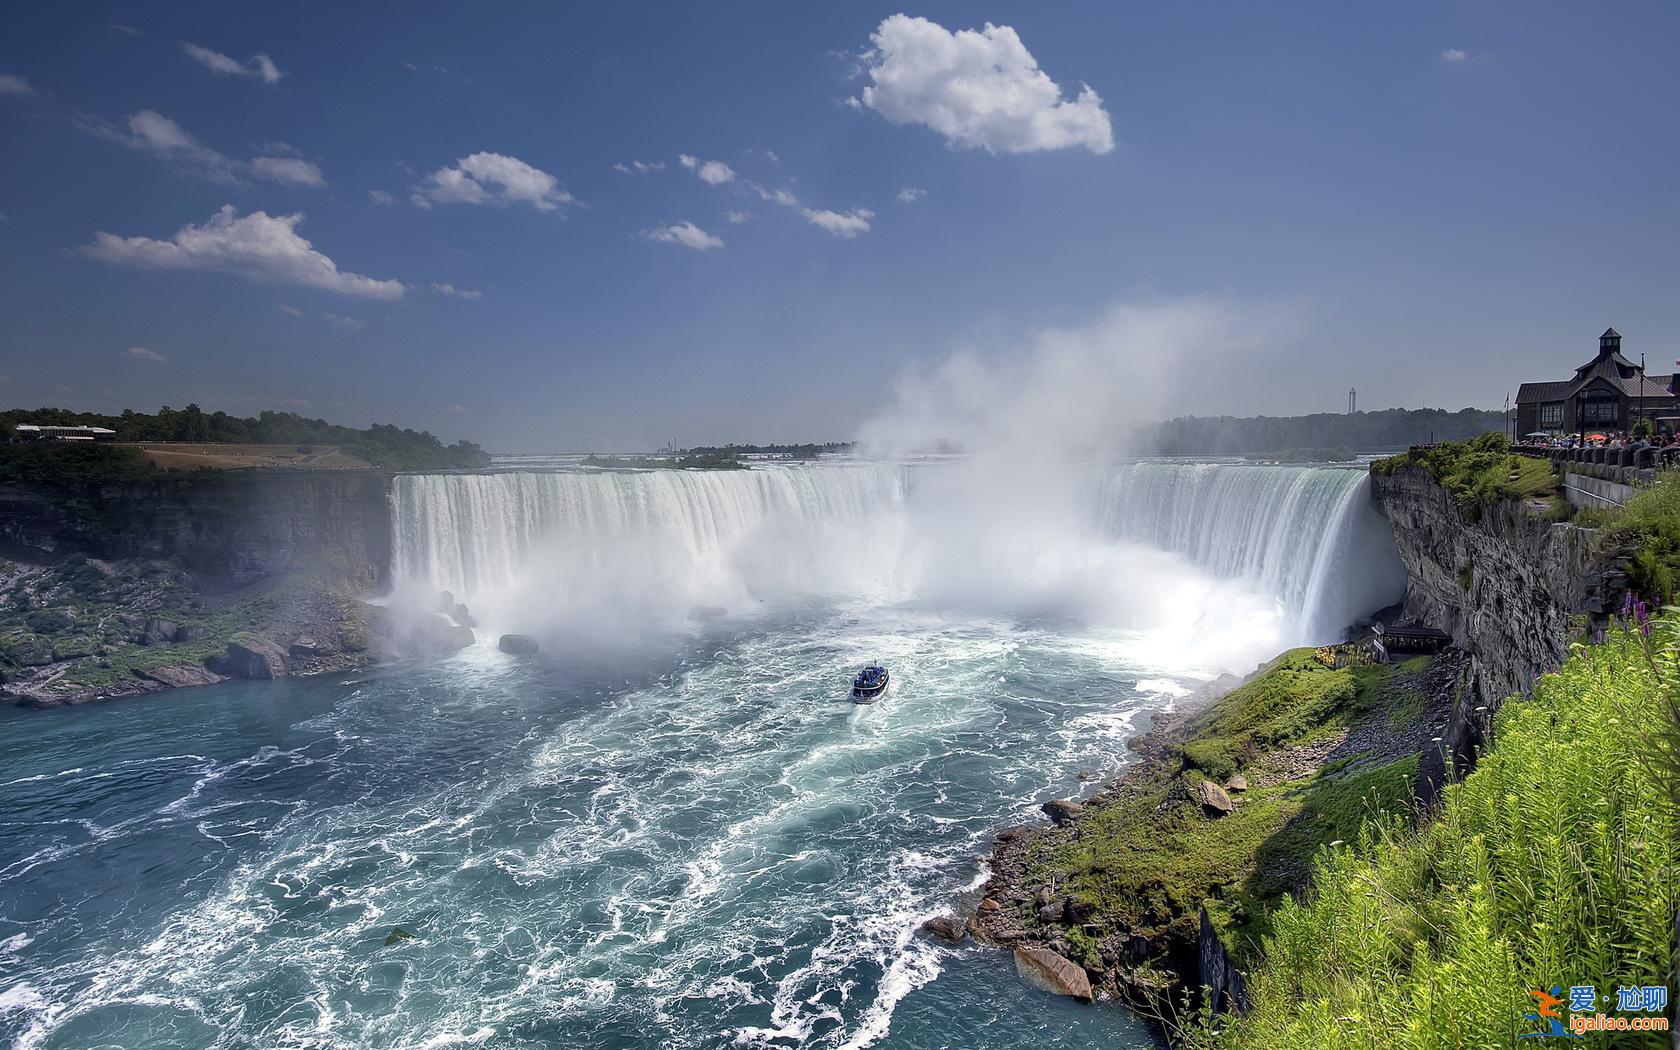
(111, 590)
(234, 527)
(1511, 586)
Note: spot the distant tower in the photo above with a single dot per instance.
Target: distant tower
(1353, 399)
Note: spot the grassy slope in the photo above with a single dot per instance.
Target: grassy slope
(1152, 854)
(1555, 862)
(1479, 471)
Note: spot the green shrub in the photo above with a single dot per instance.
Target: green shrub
(1649, 528)
(1478, 471)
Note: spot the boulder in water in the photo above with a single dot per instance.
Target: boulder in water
(518, 644)
(1062, 811)
(1056, 974)
(253, 656)
(398, 934)
(945, 928)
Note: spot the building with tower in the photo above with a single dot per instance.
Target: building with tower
(1607, 393)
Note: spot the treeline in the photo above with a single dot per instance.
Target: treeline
(806, 451)
(382, 444)
(1387, 430)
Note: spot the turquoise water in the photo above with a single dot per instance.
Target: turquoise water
(659, 834)
(700, 843)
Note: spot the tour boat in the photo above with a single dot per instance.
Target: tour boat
(869, 684)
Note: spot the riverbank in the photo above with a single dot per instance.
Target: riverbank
(1210, 879)
(1218, 816)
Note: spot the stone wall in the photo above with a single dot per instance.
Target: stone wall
(235, 527)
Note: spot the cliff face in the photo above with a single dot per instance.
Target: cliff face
(236, 528)
(1513, 588)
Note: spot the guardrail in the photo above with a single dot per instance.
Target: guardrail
(1625, 466)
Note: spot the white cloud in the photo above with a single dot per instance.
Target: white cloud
(352, 323)
(1453, 54)
(14, 85)
(383, 198)
(684, 233)
(259, 65)
(492, 178)
(910, 194)
(711, 172)
(639, 167)
(469, 294)
(981, 89)
(293, 170)
(455, 410)
(261, 246)
(736, 217)
(152, 132)
(140, 353)
(118, 27)
(841, 224)
(287, 308)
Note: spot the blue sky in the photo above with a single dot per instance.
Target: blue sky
(1439, 200)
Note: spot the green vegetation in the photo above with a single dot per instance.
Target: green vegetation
(1649, 528)
(1152, 856)
(58, 464)
(705, 461)
(1553, 863)
(382, 444)
(1479, 471)
(1361, 431)
(805, 451)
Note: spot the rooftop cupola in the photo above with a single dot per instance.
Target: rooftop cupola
(1610, 342)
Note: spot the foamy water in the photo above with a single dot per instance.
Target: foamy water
(673, 829)
(723, 852)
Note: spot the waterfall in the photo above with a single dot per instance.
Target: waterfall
(592, 549)
(1308, 535)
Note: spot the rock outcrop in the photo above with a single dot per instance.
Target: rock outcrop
(232, 527)
(1226, 989)
(180, 677)
(1049, 972)
(1062, 811)
(945, 928)
(253, 656)
(518, 644)
(1512, 587)
(1213, 799)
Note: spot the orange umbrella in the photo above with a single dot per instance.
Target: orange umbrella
(1595, 437)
